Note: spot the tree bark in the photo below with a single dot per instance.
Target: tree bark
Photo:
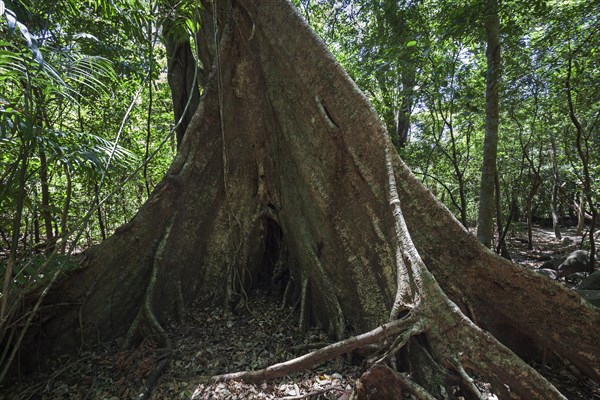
(580, 214)
(45, 209)
(65, 211)
(283, 143)
(501, 246)
(183, 75)
(6, 300)
(404, 111)
(485, 218)
(98, 207)
(582, 143)
(555, 187)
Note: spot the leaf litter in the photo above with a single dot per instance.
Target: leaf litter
(210, 341)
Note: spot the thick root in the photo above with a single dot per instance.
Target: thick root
(407, 326)
(145, 323)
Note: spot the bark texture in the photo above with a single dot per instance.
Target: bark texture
(184, 78)
(485, 217)
(285, 164)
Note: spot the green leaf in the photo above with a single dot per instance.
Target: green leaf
(411, 43)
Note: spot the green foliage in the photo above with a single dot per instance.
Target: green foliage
(74, 126)
(37, 269)
(428, 57)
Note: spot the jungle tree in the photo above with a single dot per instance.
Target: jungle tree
(283, 143)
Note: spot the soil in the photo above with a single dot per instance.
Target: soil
(210, 341)
(545, 245)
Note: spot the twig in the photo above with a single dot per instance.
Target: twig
(146, 390)
(314, 393)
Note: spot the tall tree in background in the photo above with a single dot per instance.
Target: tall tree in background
(185, 76)
(583, 142)
(485, 218)
(395, 22)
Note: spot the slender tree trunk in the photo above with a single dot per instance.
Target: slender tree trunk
(99, 211)
(14, 244)
(501, 246)
(400, 137)
(463, 205)
(36, 230)
(45, 209)
(485, 219)
(461, 191)
(151, 42)
(582, 144)
(580, 205)
(184, 76)
(529, 218)
(555, 187)
(65, 211)
(536, 182)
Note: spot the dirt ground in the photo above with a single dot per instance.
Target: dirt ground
(545, 245)
(210, 341)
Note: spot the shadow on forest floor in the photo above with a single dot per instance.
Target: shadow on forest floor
(545, 245)
(210, 342)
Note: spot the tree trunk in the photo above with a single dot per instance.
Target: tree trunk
(485, 218)
(580, 214)
(285, 146)
(6, 300)
(583, 150)
(536, 182)
(403, 114)
(501, 245)
(98, 207)
(183, 77)
(555, 187)
(45, 209)
(65, 211)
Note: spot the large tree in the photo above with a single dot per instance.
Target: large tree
(286, 166)
(485, 216)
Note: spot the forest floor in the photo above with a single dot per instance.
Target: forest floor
(210, 341)
(545, 245)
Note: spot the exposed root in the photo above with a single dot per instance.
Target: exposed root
(411, 386)
(336, 320)
(162, 364)
(180, 304)
(145, 323)
(377, 335)
(286, 293)
(447, 334)
(401, 340)
(303, 322)
(467, 381)
(441, 337)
